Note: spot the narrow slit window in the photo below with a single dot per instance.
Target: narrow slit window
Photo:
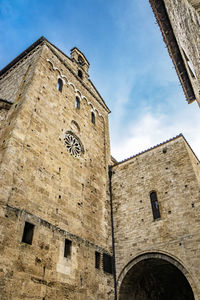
(67, 248)
(155, 205)
(80, 74)
(97, 260)
(107, 263)
(77, 103)
(28, 233)
(92, 117)
(60, 85)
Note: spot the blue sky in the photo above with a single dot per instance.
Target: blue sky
(129, 64)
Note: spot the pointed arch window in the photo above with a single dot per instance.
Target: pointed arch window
(60, 85)
(92, 117)
(155, 205)
(77, 103)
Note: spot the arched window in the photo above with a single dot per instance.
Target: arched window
(80, 74)
(60, 85)
(80, 60)
(155, 205)
(92, 117)
(77, 103)
(75, 126)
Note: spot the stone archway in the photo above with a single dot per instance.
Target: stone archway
(155, 277)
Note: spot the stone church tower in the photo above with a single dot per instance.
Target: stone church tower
(54, 203)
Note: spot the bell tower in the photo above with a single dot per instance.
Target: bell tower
(80, 61)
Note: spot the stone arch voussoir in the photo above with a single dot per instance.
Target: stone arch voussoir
(160, 255)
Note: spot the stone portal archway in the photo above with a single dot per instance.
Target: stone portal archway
(155, 278)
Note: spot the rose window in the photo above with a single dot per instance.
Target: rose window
(73, 144)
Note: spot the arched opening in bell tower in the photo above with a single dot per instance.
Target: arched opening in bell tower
(155, 279)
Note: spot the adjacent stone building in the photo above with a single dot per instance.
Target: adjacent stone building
(179, 22)
(74, 223)
(156, 207)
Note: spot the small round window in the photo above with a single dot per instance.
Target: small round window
(73, 144)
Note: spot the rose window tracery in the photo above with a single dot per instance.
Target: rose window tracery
(73, 144)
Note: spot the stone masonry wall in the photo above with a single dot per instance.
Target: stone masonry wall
(40, 270)
(185, 21)
(195, 162)
(14, 80)
(63, 196)
(168, 170)
(74, 67)
(13, 88)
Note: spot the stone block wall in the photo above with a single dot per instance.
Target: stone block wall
(169, 170)
(14, 81)
(40, 270)
(185, 20)
(65, 197)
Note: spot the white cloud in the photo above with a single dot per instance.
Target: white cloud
(152, 129)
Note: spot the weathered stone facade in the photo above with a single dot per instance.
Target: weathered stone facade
(185, 21)
(172, 170)
(71, 217)
(179, 21)
(63, 196)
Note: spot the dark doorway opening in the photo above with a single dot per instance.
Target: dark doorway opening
(155, 279)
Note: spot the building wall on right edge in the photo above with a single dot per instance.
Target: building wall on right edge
(171, 170)
(185, 21)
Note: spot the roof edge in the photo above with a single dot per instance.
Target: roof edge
(103, 104)
(162, 18)
(24, 53)
(191, 149)
(151, 148)
(80, 53)
(41, 40)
